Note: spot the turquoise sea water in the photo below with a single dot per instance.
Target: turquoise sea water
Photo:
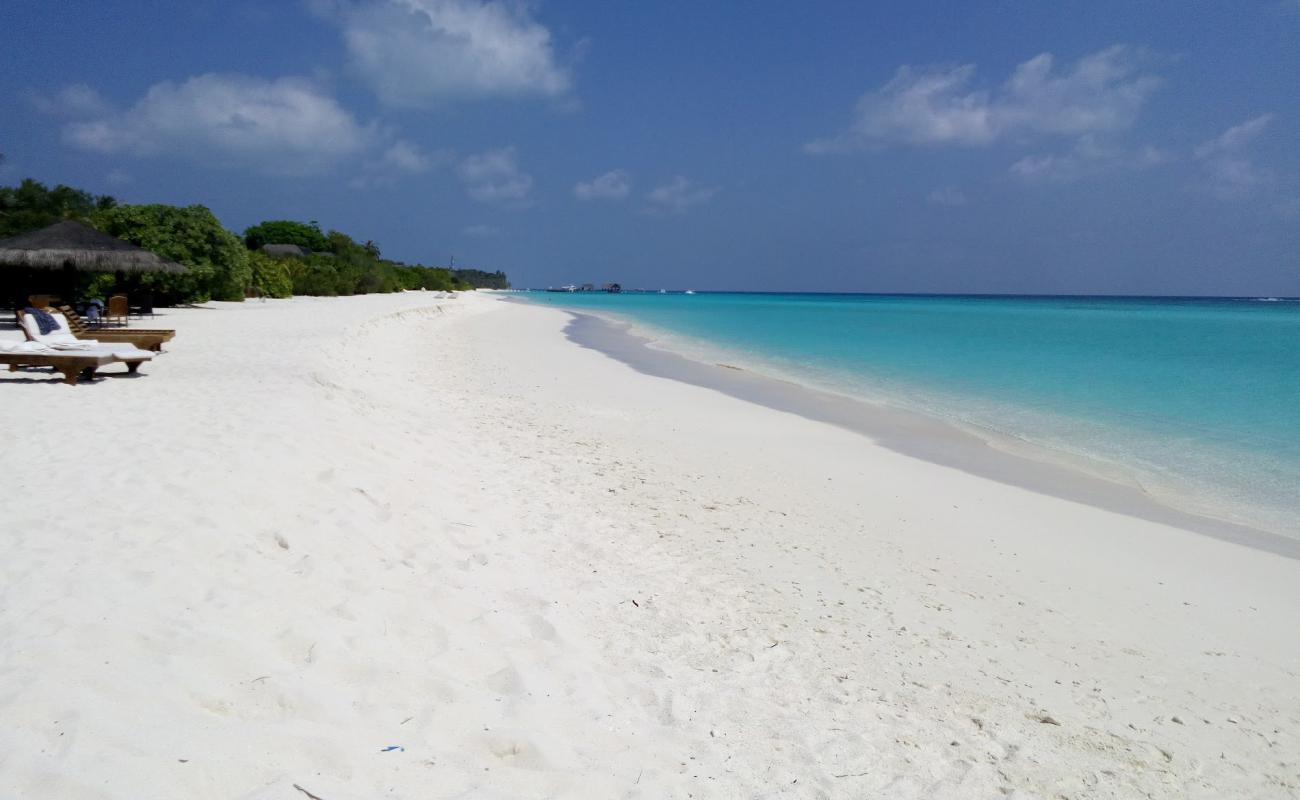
(1195, 400)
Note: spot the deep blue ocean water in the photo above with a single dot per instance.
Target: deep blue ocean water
(1195, 400)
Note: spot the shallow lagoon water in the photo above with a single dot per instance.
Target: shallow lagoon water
(1196, 401)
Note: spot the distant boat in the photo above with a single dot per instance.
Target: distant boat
(663, 291)
(690, 291)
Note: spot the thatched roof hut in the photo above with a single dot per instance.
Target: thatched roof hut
(73, 244)
(281, 250)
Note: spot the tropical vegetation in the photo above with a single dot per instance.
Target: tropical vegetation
(223, 265)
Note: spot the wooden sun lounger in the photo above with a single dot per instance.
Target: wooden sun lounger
(72, 365)
(65, 357)
(143, 338)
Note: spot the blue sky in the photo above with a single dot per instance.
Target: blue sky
(965, 147)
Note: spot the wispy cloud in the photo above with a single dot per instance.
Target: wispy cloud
(679, 194)
(1235, 138)
(284, 126)
(406, 157)
(1099, 93)
(76, 100)
(482, 231)
(1089, 157)
(1229, 173)
(494, 177)
(946, 196)
(416, 53)
(399, 160)
(613, 185)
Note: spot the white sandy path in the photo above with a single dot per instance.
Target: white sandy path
(321, 527)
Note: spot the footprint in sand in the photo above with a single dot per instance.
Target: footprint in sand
(542, 629)
(517, 752)
(506, 681)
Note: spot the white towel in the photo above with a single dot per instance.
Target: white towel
(24, 347)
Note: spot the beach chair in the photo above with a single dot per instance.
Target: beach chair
(67, 353)
(118, 309)
(143, 338)
(73, 365)
(143, 306)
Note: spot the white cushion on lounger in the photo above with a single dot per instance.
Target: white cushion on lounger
(62, 340)
(64, 332)
(60, 335)
(29, 325)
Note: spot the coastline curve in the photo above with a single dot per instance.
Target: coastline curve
(910, 433)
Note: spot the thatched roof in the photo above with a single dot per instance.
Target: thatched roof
(71, 243)
(285, 250)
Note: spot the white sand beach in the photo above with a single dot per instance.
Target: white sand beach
(417, 547)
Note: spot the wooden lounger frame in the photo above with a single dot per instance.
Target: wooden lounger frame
(143, 338)
(73, 366)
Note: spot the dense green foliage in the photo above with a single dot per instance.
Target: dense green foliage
(32, 205)
(434, 278)
(220, 265)
(353, 268)
(271, 276)
(286, 231)
(482, 280)
(217, 260)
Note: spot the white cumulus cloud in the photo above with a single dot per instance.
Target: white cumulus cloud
(1099, 93)
(283, 126)
(494, 177)
(613, 185)
(679, 194)
(1230, 174)
(416, 53)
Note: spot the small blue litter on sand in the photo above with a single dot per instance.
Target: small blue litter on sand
(393, 747)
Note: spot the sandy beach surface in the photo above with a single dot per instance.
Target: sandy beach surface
(418, 547)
